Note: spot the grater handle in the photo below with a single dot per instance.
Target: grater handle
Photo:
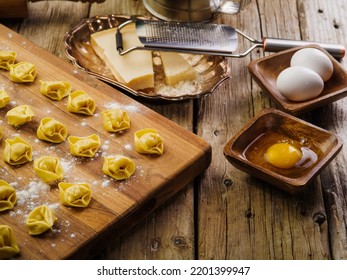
(119, 41)
(276, 45)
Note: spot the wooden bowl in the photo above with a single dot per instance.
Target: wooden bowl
(246, 149)
(266, 70)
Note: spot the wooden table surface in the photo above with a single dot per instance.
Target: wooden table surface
(225, 213)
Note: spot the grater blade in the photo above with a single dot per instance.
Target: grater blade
(188, 37)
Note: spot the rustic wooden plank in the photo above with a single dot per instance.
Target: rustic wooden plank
(13, 9)
(239, 217)
(48, 21)
(164, 234)
(246, 218)
(156, 179)
(327, 23)
(118, 7)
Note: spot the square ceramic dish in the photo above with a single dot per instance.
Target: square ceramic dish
(266, 70)
(246, 149)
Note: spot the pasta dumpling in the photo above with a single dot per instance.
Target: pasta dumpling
(48, 168)
(7, 58)
(118, 167)
(84, 146)
(55, 90)
(0, 133)
(8, 243)
(75, 195)
(148, 141)
(4, 98)
(115, 120)
(8, 197)
(20, 115)
(51, 130)
(81, 102)
(17, 151)
(41, 219)
(22, 72)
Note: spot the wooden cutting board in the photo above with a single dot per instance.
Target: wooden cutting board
(115, 206)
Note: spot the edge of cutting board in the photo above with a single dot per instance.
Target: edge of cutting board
(145, 202)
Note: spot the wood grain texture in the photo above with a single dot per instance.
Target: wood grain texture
(114, 208)
(168, 233)
(51, 17)
(327, 23)
(227, 214)
(260, 222)
(13, 9)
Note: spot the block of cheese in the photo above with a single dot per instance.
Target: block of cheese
(176, 68)
(134, 69)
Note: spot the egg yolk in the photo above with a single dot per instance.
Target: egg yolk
(283, 155)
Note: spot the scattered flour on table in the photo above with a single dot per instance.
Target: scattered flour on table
(106, 145)
(128, 147)
(115, 105)
(84, 123)
(69, 164)
(31, 196)
(182, 88)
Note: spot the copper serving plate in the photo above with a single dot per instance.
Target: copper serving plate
(212, 70)
(266, 70)
(272, 122)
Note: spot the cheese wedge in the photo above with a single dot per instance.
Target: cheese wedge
(134, 69)
(176, 68)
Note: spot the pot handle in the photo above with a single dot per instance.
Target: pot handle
(276, 45)
(231, 7)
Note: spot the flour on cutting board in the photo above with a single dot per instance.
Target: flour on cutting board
(112, 202)
(116, 105)
(35, 192)
(32, 195)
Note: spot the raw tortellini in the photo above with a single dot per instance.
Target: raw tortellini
(76, 195)
(41, 219)
(118, 167)
(4, 98)
(81, 102)
(8, 244)
(22, 72)
(148, 141)
(51, 130)
(48, 168)
(8, 197)
(84, 146)
(17, 151)
(20, 115)
(55, 90)
(115, 120)
(7, 58)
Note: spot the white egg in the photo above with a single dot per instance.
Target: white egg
(315, 60)
(299, 83)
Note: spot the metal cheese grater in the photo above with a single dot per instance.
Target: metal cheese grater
(204, 38)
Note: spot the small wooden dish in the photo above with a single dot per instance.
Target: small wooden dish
(245, 151)
(266, 70)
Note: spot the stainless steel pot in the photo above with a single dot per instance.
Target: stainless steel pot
(193, 10)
